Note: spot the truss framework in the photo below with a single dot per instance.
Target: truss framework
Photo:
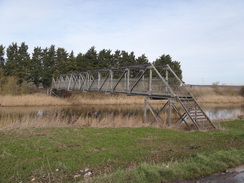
(153, 82)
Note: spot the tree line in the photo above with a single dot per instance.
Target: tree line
(43, 63)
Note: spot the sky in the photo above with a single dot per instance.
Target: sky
(205, 36)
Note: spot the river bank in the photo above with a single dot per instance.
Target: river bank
(117, 154)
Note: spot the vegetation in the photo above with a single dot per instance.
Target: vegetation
(217, 94)
(42, 64)
(11, 85)
(242, 91)
(117, 154)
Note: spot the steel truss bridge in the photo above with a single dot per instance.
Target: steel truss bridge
(153, 82)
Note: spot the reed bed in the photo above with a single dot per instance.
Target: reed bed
(220, 99)
(87, 98)
(204, 95)
(107, 99)
(31, 100)
(217, 94)
(61, 120)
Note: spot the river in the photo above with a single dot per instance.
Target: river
(71, 114)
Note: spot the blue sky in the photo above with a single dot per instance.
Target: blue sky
(206, 36)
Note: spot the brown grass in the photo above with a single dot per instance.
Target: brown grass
(31, 100)
(79, 99)
(217, 95)
(60, 120)
(205, 95)
(221, 99)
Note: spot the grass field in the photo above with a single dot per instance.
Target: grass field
(117, 154)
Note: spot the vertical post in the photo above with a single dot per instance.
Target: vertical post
(128, 80)
(145, 110)
(69, 81)
(98, 80)
(143, 84)
(111, 80)
(150, 82)
(169, 113)
(167, 80)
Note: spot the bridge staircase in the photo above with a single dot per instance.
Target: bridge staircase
(194, 113)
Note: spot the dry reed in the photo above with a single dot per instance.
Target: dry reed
(44, 100)
(205, 95)
(221, 99)
(59, 120)
(217, 95)
(31, 100)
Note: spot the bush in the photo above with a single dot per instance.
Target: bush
(10, 85)
(242, 91)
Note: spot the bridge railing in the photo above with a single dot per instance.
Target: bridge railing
(148, 80)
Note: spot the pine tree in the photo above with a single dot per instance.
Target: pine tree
(142, 60)
(61, 62)
(18, 61)
(105, 59)
(81, 65)
(2, 53)
(72, 63)
(49, 60)
(175, 65)
(117, 57)
(36, 70)
(90, 59)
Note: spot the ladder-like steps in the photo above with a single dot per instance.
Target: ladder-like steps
(195, 114)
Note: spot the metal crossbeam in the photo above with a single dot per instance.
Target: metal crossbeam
(155, 82)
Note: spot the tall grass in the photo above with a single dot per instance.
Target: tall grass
(80, 99)
(31, 100)
(217, 95)
(60, 119)
(204, 95)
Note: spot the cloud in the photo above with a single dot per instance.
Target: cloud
(202, 35)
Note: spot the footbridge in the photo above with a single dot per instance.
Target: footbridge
(153, 82)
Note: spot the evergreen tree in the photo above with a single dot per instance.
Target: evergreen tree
(117, 57)
(61, 62)
(142, 60)
(175, 65)
(49, 59)
(36, 69)
(2, 53)
(24, 62)
(12, 60)
(105, 59)
(90, 59)
(18, 61)
(72, 63)
(81, 66)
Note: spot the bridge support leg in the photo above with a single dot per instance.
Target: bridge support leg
(168, 108)
(169, 113)
(156, 115)
(145, 110)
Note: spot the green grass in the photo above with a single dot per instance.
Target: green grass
(118, 154)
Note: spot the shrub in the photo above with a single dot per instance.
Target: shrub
(10, 85)
(242, 91)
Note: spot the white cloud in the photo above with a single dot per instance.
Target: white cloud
(202, 35)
